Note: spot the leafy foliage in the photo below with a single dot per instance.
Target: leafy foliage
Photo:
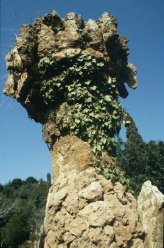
(16, 183)
(22, 211)
(17, 229)
(88, 104)
(155, 164)
(77, 80)
(95, 114)
(112, 170)
(141, 160)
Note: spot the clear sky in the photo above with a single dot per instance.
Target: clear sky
(22, 150)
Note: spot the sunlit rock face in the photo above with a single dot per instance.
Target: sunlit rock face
(151, 211)
(55, 57)
(83, 208)
(69, 74)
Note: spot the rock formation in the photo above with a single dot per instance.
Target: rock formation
(68, 74)
(151, 212)
(83, 208)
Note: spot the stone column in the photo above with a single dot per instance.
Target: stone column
(83, 208)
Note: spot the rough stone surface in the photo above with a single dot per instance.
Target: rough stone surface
(55, 43)
(93, 192)
(151, 211)
(83, 208)
(66, 156)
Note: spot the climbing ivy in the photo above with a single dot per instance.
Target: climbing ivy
(88, 101)
(96, 115)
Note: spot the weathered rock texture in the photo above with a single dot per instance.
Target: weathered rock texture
(53, 56)
(69, 74)
(151, 211)
(83, 208)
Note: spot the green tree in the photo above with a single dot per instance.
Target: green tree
(39, 194)
(31, 180)
(22, 207)
(15, 232)
(1, 187)
(17, 229)
(155, 168)
(16, 183)
(135, 156)
(48, 179)
(120, 151)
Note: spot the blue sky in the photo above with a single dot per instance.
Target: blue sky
(22, 150)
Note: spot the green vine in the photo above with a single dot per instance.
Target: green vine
(88, 102)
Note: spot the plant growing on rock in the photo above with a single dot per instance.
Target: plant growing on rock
(69, 75)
